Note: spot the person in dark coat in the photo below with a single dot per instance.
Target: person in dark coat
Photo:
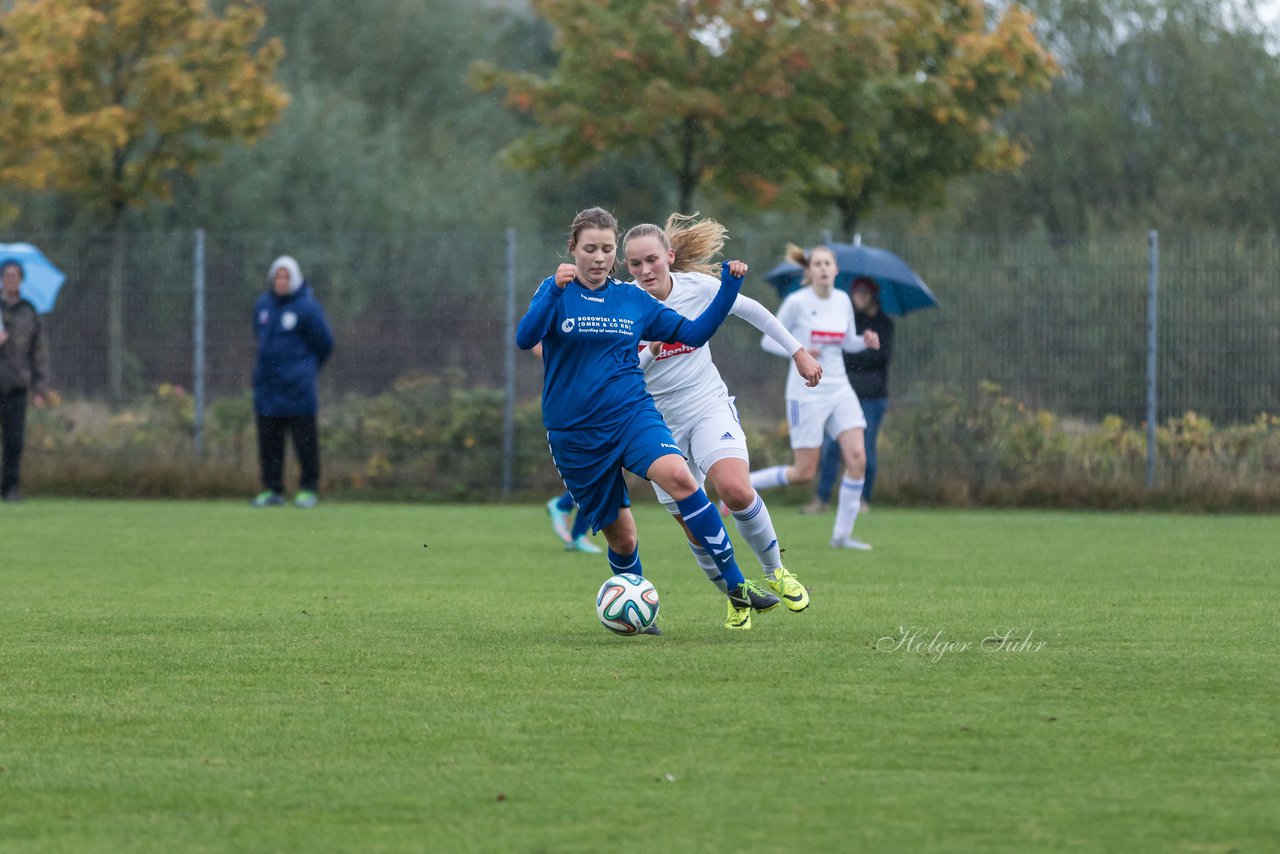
(294, 342)
(869, 375)
(24, 371)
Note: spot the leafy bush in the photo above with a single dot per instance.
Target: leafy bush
(992, 449)
(439, 437)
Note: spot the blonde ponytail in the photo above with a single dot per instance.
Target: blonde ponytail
(696, 243)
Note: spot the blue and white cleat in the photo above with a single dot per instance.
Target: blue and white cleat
(582, 544)
(559, 522)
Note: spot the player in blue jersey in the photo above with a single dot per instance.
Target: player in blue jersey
(600, 419)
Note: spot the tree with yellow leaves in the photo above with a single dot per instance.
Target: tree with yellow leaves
(105, 100)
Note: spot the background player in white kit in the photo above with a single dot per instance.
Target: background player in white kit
(822, 318)
(673, 264)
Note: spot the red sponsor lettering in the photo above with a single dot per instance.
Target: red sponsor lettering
(821, 336)
(676, 349)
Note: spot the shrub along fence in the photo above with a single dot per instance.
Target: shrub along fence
(438, 438)
(426, 396)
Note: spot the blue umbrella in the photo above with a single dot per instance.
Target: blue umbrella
(786, 277)
(40, 279)
(901, 290)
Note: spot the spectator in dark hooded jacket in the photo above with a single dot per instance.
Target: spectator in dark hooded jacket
(293, 343)
(24, 371)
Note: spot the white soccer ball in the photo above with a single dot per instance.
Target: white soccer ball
(627, 604)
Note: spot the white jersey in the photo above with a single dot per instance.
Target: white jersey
(824, 324)
(682, 379)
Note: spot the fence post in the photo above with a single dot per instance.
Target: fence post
(197, 339)
(115, 315)
(509, 368)
(1153, 352)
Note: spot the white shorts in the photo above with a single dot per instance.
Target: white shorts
(829, 415)
(714, 435)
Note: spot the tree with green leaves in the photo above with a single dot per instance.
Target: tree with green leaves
(105, 100)
(890, 101)
(1166, 116)
(381, 132)
(844, 104)
(647, 76)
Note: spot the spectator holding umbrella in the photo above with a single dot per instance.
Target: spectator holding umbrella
(24, 370)
(868, 373)
(293, 344)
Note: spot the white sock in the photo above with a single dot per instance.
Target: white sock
(769, 478)
(708, 565)
(847, 509)
(757, 529)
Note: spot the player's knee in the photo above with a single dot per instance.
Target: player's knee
(802, 472)
(622, 542)
(681, 485)
(737, 495)
(855, 464)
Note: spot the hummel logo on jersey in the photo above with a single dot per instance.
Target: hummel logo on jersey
(567, 326)
(726, 436)
(591, 299)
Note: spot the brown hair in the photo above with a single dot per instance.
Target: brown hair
(592, 218)
(801, 257)
(696, 243)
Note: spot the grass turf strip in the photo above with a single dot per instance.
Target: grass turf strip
(400, 678)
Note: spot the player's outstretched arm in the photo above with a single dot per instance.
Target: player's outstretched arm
(778, 339)
(698, 331)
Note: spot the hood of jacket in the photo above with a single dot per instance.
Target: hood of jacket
(286, 262)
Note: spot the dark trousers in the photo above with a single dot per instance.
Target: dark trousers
(13, 423)
(306, 442)
(873, 409)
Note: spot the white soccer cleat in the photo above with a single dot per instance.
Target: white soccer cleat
(849, 543)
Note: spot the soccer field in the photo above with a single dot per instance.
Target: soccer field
(207, 677)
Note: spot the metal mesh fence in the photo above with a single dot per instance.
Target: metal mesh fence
(1058, 324)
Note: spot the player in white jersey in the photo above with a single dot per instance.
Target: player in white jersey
(822, 318)
(670, 263)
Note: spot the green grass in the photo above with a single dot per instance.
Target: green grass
(204, 677)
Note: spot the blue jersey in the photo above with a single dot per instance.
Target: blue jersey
(590, 345)
(590, 349)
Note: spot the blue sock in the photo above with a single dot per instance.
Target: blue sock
(703, 521)
(625, 563)
(565, 502)
(580, 526)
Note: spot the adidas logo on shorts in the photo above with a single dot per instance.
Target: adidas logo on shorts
(726, 436)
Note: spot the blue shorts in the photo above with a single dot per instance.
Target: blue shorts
(591, 461)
